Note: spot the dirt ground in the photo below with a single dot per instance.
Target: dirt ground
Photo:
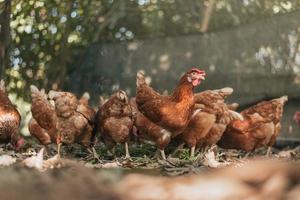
(77, 175)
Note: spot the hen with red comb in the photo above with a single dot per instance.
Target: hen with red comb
(172, 112)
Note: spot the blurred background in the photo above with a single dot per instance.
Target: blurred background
(252, 46)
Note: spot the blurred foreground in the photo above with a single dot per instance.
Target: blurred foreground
(216, 175)
(254, 179)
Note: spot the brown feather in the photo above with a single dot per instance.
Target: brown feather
(260, 127)
(171, 112)
(10, 118)
(114, 119)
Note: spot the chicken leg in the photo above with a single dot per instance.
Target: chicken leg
(269, 152)
(46, 152)
(94, 154)
(127, 155)
(163, 155)
(193, 151)
(58, 149)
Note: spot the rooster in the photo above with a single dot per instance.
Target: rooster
(172, 112)
(9, 121)
(260, 127)
(114, 121)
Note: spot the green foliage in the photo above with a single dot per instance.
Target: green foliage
(49, 38)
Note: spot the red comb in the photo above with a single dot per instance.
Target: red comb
(198, 70)
(19, 144)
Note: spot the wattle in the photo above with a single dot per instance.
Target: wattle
(196, 82)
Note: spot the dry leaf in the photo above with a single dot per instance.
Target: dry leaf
(211, 161)
(54, 162)
(287, 154)
(111, 165)
(35, 161)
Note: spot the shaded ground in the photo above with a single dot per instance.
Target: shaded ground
(143, 158)
(205, 177)
(213, 174)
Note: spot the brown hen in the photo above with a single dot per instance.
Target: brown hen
(171, 112)
(75, 122)
(42, 125)
(114, 121)
(148, 130)
(260, 127)
(9, 120)
(209, 123)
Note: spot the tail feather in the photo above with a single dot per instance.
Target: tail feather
(236, 115)
(53, 94)
(226, 91)
(282, 99)
(84, 99)
(102, 101)
(122, 96)
(33, 89)
(233, 106)
(86, 96)
(140, 78)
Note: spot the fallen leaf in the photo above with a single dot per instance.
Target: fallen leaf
(54, 162)
(211, 161)
(111, 165)
(35, 161)
(287, 154)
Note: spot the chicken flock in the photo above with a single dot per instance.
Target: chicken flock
(195, 120)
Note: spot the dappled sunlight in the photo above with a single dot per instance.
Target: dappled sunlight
(164, 62)
(211, 86)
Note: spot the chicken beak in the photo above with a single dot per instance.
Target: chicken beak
(201, 76)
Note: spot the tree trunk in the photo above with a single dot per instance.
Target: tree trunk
(4, 35)
(207, 15)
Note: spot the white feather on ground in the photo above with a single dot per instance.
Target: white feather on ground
(35, 161)
(6, 160)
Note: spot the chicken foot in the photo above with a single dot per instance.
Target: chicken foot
(160, 153)
(94, 154)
